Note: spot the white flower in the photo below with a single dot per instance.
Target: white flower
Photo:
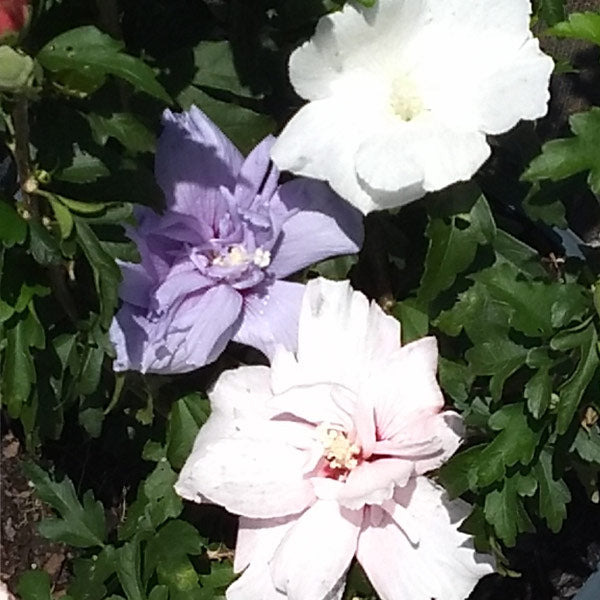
(323, 456)
(402, 95)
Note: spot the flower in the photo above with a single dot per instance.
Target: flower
(403, 94)
(13, 16)
(323, 456)
(211, 265)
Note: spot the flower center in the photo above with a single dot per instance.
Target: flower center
(338, 450)
(237, 255)
(405, 100)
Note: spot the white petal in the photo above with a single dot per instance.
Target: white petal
(341, 335)
(257, 478)
(236, 392)
(320, 141)
(406, 387)
(257, 540)
(316, 552)
(442, 564)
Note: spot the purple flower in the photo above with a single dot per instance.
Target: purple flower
(212, 265)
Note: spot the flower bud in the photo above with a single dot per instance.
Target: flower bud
(14, 16)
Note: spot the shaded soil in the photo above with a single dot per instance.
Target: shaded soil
(21, 547)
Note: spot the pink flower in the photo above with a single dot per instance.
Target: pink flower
(323, 456)
(13, 15)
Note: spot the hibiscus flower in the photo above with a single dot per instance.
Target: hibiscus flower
(324, 457)
(212, 265)
(403, 93)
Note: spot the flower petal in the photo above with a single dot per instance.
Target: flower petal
(192, 333)
(256, 478)
(341, 335)
(332, 226)
(374, 482)
(442, 564)
(406, 387)
(319, 131)
(193, 160)
(237, 392)
(251, 177)
(257, 540)
(270, 317)
(299, 555)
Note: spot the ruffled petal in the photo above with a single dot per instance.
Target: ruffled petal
(251, 177)
(374, 482)
(441, 564)
(342, 336)
(270, 317)
(335, 227)
(189, 335)
(193, 160)
(325, 563)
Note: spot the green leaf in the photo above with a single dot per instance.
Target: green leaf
(581, 26)
(63, 217)
(552, 11)
(453, 244)
(336, 268)
(216, 68)
(244, 127)
(18, 372)
(456, 379)
(107, 274)
(83, 208)
(125, 128)
(84, 168)
(43, 246)
(13, 228)
(516, 443)
(129, 566)
(185, 419)
(587, 444)
(89, 51)
(571, 393)
(538, 392)
(459, 474)
(90, 574)
(499, 358)
(34, 585)
(553, 495)
(80, 525)
(155, 503)
(504, 510)
(167, 554)
(414, 321)
(565, 157)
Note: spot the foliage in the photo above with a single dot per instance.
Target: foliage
(478, 265)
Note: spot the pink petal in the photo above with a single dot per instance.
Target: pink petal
(374, 482)
(442, 564)
(305, 569)
(407, 384)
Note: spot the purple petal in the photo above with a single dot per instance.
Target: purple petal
(270, 317)
(252, 175)
(323, 226)
(182, 280)
(193, 160)
(191, 335)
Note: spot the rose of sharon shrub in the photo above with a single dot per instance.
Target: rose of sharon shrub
(324, 457)
(403, 93)
(212, 264)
